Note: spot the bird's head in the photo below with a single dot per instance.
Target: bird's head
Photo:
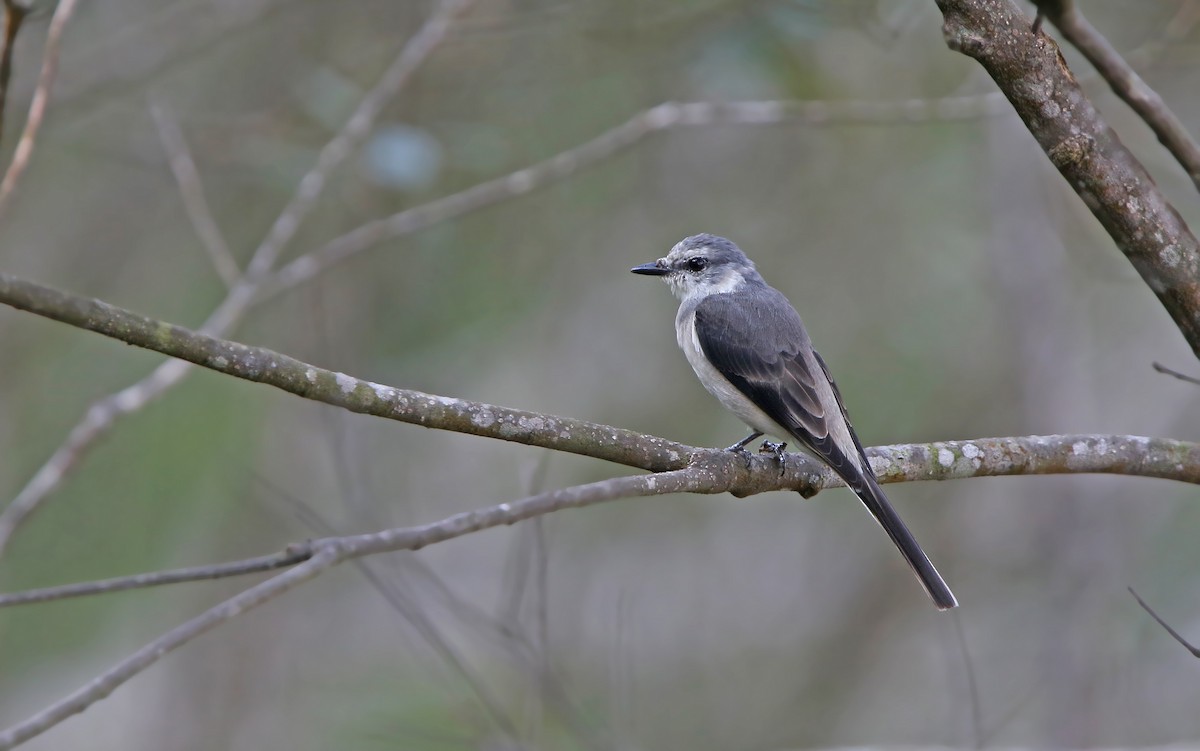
(702, 265)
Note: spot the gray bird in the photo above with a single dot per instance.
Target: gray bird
(748, 347)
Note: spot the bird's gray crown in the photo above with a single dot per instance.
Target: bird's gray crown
(704, 265)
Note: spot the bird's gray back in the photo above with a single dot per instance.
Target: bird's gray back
(759, 317)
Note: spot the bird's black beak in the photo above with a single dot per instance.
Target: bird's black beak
(651, 269)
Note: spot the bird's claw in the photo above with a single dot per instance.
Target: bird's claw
(778, 449)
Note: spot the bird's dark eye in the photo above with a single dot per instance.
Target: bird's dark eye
(697, 264)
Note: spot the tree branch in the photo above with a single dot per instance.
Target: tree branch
(1031, 72)
(41, 100)
(187, 178)
(272, 368)
(1126, 83)
(1181, 376)
(290, 556)
(1195, 652)
(945, 460)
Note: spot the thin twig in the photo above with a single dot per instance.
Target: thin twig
(14, 14)
(972, 687)
(1174, 634)
(290, 556)
(41, 100)
(330, 552)
(1181, 376)
(187, 177)
(103, 414)
(1126, 83)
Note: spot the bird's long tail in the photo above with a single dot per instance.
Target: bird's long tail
(872, 496)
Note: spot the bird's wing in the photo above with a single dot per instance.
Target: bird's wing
(762, 349)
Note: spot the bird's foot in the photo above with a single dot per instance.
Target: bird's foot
(778, 449)
(739, 448)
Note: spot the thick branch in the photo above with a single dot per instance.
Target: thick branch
(1031, 72)
(947, 460)
(272, 368)
(1036, 455)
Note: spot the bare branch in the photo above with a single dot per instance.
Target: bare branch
(330, 552)
(1174, 634)
(265, 366)
(1181, 376)
(1133, 455)
(611, 142)
(104, 413)
(1127, 84)
(187, 177)
(293, 554)
(41, 100)
(1031, 72)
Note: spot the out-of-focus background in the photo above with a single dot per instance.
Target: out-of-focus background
(953, 282)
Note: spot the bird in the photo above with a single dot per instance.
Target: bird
(751, 351)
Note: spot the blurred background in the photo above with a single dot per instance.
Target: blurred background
(953, 282)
